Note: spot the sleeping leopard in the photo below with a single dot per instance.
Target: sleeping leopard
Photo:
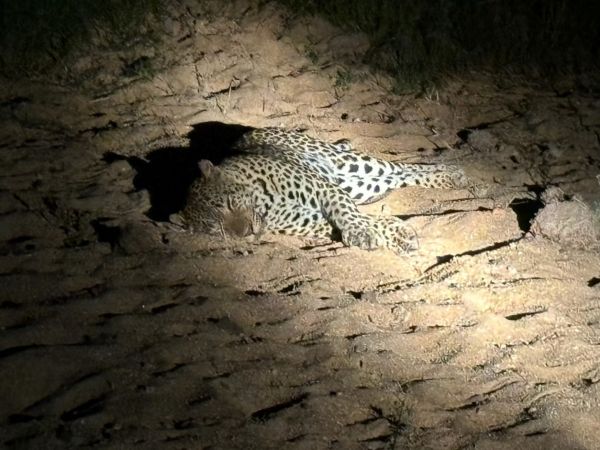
(287, 182)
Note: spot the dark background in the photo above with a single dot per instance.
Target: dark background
(420, 42)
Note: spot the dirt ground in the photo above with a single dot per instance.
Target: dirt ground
(119, 331)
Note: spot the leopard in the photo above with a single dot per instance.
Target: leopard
(285, 181)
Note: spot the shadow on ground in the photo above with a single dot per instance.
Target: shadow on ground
(168, 172)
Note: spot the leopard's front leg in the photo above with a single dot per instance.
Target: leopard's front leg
(362, 230)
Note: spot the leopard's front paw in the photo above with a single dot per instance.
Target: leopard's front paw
(396, 234)
(363, 238)
(382, 232)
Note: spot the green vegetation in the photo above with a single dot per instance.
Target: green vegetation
(343, 79)
(36, 35)
(422, 41)
(311, 53)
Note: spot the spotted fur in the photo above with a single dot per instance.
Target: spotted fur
(290, 183)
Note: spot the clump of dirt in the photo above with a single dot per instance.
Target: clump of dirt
(568, 221)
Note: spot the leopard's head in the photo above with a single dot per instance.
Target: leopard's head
(218, 205)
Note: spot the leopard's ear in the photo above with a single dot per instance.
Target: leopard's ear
(207, 169)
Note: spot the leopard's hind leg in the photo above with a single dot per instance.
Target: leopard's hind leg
(368, 189)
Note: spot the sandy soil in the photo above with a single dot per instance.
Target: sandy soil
(120, 331)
